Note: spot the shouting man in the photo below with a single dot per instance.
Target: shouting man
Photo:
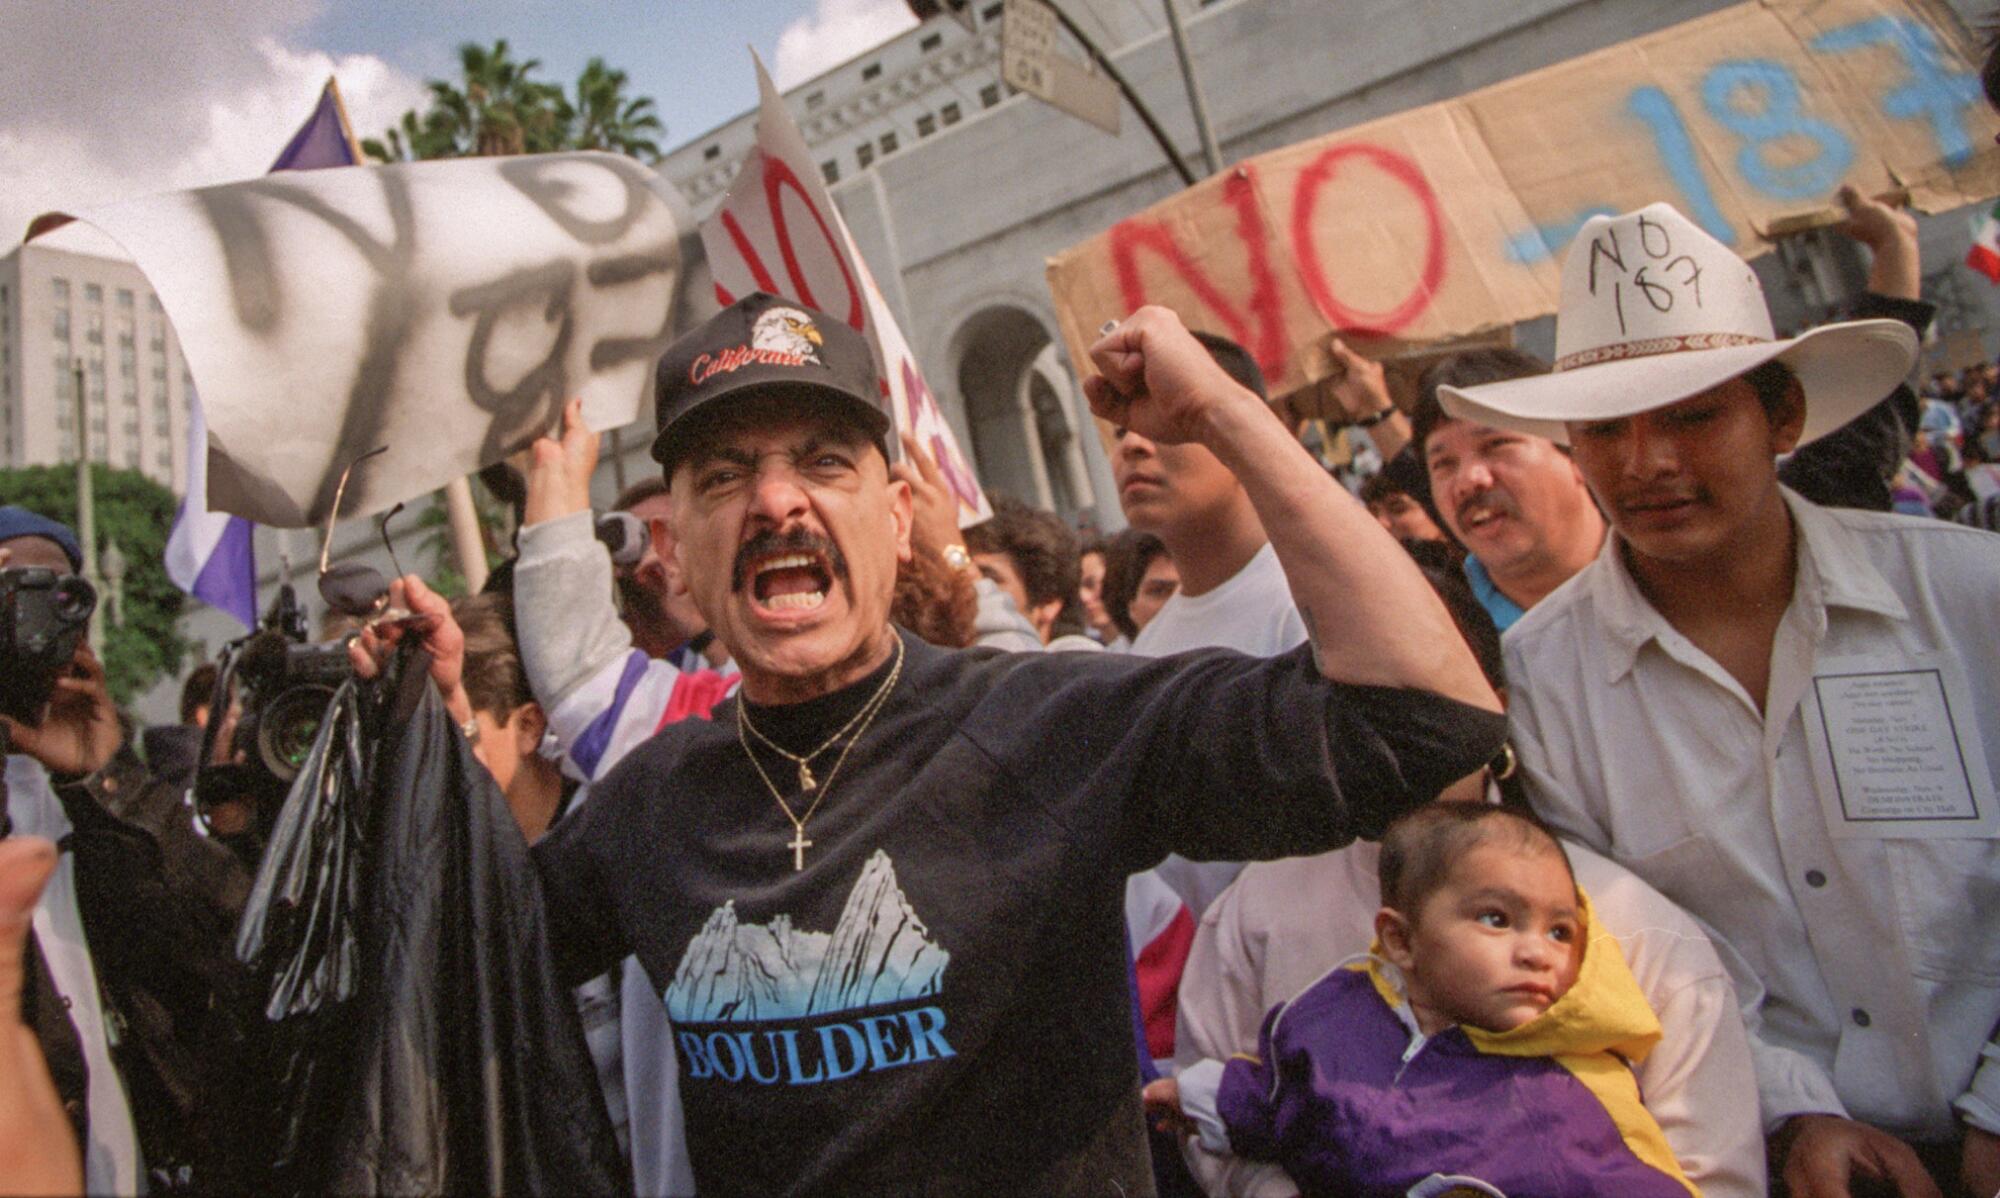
(881, 893)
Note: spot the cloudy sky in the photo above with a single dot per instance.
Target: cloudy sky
(107, 99)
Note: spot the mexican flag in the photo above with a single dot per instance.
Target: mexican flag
(1984, 256)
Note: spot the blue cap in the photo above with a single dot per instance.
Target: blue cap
(20, 522)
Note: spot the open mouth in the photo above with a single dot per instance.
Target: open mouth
(1478, 517)
(790, 581)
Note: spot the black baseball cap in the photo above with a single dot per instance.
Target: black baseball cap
(760, 346)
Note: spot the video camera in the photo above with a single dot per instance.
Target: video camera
(624, 536)
(286, 685)
(43, 617)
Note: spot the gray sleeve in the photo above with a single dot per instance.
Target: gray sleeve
(1000, 625)
(563, 610)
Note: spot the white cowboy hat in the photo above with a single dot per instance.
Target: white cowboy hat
(1654, 311)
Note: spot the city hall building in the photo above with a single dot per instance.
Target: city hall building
(959, 189)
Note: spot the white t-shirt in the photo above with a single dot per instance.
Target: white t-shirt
(111, 1158)
(1252, 613)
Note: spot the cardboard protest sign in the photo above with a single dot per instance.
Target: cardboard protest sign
(1448, 220)
(779, 231)
(444, 309)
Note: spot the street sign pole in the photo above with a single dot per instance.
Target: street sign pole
(1041, 71)
(1210, 149)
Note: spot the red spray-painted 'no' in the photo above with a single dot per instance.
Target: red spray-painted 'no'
(777, 177)
(1266, 342)
(1261, 329)
(1306, 194)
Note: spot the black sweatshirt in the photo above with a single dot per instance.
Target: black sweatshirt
(938, 1001)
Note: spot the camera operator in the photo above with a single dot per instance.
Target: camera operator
(133, 968)
(72, 740)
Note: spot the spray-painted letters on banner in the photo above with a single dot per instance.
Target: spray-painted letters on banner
(778, 231)
(1448, 220)
(443, 309)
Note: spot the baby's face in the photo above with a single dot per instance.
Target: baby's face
(1501, 941)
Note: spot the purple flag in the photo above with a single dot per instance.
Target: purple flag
(209, 553)
(322, 141)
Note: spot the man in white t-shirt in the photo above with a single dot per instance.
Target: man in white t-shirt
(1232, 593)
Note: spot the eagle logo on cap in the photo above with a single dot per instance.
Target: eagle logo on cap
(787, 331)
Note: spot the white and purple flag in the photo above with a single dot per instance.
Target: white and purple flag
(209, 554)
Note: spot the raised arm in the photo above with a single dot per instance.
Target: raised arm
(602, 695)
(1373, 619)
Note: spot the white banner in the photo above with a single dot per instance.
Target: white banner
(779, 231)
(444, 309)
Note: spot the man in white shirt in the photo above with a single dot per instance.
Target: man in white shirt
(1232, 593)
(1782, 716)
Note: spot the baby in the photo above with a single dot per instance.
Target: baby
(1485, 1049)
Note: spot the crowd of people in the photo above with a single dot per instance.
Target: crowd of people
(1953, 469)
(1600, 801)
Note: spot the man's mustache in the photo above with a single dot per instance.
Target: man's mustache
(771, 543)
(1491, 500)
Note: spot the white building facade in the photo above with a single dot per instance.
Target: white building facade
(60, 310)
(958, 191)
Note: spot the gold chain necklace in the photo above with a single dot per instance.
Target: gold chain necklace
(808, 783)
(865, 717)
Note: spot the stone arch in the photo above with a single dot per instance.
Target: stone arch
(1031, 431)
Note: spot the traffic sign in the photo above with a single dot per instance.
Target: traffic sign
(1031, 62)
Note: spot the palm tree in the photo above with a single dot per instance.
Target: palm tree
(510, 113)
(500, 109)
(607, 120)
(432, 136)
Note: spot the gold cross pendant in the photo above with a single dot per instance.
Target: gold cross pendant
(807, 783)
(799, 845)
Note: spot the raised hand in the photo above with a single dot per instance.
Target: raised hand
(559, 471)
(1360, 388)
(933, 507)
(432, 623)
(1157, 380)
(1891, 234)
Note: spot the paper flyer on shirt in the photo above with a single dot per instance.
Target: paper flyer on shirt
(1896, 749)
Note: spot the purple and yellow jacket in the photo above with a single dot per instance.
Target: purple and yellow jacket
(1352, 1099)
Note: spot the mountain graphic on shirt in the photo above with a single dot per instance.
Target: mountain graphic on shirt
(878, 952)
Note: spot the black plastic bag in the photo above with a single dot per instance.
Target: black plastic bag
(300, 938)
(468, 1069)
(298, 929)
(414, 1037)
